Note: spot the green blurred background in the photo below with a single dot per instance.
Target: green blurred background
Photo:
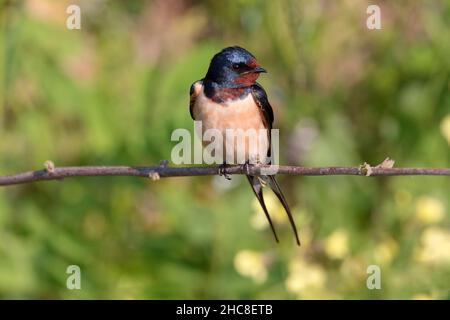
(112, 93)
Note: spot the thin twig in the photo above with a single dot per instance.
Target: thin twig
(163, 171)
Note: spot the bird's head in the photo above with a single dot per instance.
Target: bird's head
(234, 66)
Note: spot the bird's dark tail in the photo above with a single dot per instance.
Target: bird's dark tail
(257, 189)
(256, 185)
(277, 190)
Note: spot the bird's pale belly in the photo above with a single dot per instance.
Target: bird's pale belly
(240, 124)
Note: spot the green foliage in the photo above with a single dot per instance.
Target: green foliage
(113, 92)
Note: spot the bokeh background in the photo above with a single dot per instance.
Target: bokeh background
(112, 93)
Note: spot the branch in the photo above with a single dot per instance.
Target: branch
(50, 172)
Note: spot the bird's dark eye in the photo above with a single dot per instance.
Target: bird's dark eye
(236, 66)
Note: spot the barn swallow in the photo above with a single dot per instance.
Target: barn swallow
(228, 97)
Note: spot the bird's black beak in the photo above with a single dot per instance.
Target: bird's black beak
(259, 70)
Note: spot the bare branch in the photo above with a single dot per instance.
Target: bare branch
(163, 171)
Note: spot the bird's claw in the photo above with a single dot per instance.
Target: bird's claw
(223, 172)
(247, 168)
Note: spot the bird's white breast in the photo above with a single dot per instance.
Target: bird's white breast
(243, 114)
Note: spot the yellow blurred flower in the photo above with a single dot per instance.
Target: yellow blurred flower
(386, 251)
(426, 296)
(429, 210)
(306, 279)
(354, 268)
(251, 264)
(435, 246)
(445, 128)
(273, 205)
(259, 221)
(306, 235)
(336, 244)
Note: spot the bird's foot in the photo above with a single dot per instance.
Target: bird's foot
(246, 168)
(223, 171)
(262, 181)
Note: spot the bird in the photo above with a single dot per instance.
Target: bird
(229, 98)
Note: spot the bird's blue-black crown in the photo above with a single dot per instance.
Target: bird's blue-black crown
(221, 67)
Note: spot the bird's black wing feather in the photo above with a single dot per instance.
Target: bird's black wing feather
(192, 98)
(260, 97)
